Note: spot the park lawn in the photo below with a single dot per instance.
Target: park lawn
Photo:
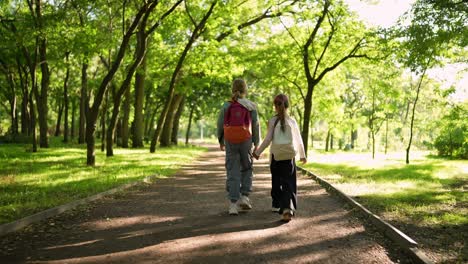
(32, 182)
(427, 199)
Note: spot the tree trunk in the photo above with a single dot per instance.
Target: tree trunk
(312, 139)
(25, 117)
(115, 115)
(32, 72)
(412, 116)
(125, 118)
(307, 114)
(189, 126)
(167, 128)
(33, 118)
(103, 122)
(59, 120)
(175, 125)
(66, 102)
(195, 34)
(14, 116)
(73, 116)
(12, 101)
(139, 95)
(373, 144)
(327, 141)
(386, 136)
(118, 133)
(43, 108)
(147, 115)
(331, 141)
(90, 142)
(84, 101)
(151, 123)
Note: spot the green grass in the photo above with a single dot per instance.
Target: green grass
(428, 191)
(426, 199)
(31, 182)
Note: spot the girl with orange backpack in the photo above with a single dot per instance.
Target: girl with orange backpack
(238, 128)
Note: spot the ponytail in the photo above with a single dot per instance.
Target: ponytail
(235, 96)
(281, 103)
(239, 89)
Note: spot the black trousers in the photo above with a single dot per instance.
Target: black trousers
(283, 184)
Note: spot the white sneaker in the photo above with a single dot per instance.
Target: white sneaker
(233, 209)
(244, 203)
(275, 209)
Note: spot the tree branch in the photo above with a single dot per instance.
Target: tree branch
(254, 20)
(295, 84)
(168, 12)
(188, 13)
(351, 54)
(311, 38)
(290, 34)
(327, 44)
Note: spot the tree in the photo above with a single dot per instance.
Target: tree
(322, 50)
(437, 27)
(93, 110)
(138, 57)
(199, 27)
(452, 140)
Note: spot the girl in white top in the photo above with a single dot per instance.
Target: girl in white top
(286, 143)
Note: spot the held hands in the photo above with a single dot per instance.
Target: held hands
(221, 147)
(254, 154)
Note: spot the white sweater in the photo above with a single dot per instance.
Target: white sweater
(283, 142)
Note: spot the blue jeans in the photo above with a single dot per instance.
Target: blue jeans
(238, 169)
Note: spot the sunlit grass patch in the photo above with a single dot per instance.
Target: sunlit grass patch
(31, 182)
(429, 191)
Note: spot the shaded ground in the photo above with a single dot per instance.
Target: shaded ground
(184, 219)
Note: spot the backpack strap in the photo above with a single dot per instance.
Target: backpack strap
(227, 113)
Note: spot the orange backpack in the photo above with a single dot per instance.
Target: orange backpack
(237, 123)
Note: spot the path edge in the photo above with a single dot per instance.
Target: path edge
(40, 216)
(409, 246)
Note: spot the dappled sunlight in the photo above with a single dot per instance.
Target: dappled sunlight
(128, 221)
(372, 187)
(364, 159)
(428, 191)
(56, 175)
(74, 244)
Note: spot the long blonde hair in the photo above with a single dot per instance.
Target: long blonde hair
(239, 89)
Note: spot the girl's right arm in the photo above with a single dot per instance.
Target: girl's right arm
(268, 138)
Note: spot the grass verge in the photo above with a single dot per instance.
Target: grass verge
(32, 182)
(426, 199)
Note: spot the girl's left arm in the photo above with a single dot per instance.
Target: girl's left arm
(266, 142)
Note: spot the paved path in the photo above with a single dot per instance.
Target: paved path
(184, 219)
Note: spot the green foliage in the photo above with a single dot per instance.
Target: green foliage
(452, 140)
(436, 28)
